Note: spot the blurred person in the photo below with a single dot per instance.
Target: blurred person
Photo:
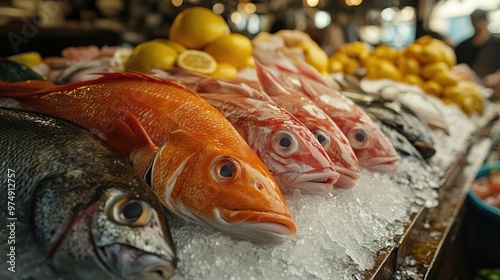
(481, 52)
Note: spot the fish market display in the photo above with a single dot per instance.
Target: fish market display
(285, 145)
(194, 159)
(316, 120)
(75, 209)
(373, 150)
(401, 119)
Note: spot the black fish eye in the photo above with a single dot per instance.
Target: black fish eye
(360, 137)
(322, 138)
(130, 211)
(285, 142)
(226, 171)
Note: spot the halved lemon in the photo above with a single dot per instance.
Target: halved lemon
(197, 61)
(28, 58)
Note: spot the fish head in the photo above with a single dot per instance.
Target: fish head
(117, 228)
(372, 148)
(228, 189)
(292, 153)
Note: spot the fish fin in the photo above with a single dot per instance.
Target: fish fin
(269, 81)
(106, 77)
(23, 88)
(210, 85)
(130, 140)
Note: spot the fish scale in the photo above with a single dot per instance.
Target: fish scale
(66, 180)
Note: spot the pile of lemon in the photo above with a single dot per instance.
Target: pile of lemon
(426, 63)
(199, 41)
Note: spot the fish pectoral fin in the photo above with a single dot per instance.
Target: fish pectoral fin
(23, 89)
(130, 140)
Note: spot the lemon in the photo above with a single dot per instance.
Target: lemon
(315, 56)
(197, 61)
(225, 70)
(196, 27)
(385, 52)
(430, 70)
(335, 66)
(445, 78)
(432, 88)
(412, 79)
(151, 55)
(29, 58)
(408, 65)
(177, 47)
(233, 48)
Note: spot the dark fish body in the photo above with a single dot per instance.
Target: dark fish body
(78, 210)
(400, 143)
(12, 71)
(398, 117)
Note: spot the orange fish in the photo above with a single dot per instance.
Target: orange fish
(194, 159)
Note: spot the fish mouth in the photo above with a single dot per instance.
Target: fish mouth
(131, 263)
(312, 182)
(385, 165)
(347, 179)
(425, 149)
(257, 226)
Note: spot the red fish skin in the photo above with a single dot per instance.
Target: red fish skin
(258, 121)
(190, 136)
(316, 120)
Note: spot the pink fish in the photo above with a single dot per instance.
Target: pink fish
(372, 148)
(316, 120)
(288, 149)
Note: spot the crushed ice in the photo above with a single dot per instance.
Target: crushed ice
(340, 234)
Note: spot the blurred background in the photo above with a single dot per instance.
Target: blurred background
(48, 26)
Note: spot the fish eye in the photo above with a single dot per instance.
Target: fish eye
(359, 138)
(284, 143)
(131, 211)
(224, 169)
(322, 138)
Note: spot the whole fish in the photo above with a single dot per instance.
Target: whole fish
(318, 122)
(400, 143)
(74, 209)
(194, 159)
(372, 148)
(289, 150)
(398, 117)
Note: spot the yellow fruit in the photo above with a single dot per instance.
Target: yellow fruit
(354, 49)
(197, 61)
(232, 48)
(224, 70)
(335, 66)
(445, 78)
(412, 79)
(424, 40)
(28, 58)
(385, 52)
(339, 56)
(351, 66)
(408, 65)
(413, 50)
(251, 62)
(383, 69)
(429, 54)
(429, 70)
(432, 88)
(315, 56)
(196, 27)
(151, 55)
(177, 47)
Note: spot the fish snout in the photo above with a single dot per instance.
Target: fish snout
(257, 226)
(348, 177)
(317, 182)
(161, 271)
(385, 165)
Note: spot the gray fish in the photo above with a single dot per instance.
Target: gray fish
(73, 209)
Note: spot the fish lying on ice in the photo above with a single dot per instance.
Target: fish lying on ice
(289, 150)
(75, 209)
(398, 117)
(316, 120)
(194, 159)
(372, 148)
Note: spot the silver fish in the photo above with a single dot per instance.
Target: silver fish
(76, 210)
